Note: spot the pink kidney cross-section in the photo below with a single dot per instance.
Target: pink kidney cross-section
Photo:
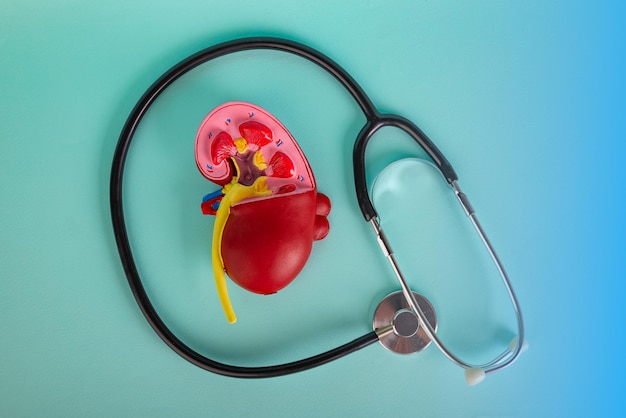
(268, 212)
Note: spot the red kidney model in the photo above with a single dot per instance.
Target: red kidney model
(268, 212)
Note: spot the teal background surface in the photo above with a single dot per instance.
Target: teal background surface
(526, 99)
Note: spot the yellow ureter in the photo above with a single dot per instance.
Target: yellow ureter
(234, 193)
(216, 257)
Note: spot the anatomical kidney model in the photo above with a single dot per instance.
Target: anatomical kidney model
(268, 212)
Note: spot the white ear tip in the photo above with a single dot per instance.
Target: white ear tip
(474, 375)
(513, 345)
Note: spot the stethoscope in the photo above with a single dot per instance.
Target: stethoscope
(404, 321)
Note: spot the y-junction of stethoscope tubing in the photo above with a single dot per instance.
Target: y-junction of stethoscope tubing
(376, 121)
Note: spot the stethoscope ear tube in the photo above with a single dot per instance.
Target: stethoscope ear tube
(474, 374)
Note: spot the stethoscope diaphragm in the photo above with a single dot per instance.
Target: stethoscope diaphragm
(398, 327)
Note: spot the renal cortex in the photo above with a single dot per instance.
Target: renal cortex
(268, 211)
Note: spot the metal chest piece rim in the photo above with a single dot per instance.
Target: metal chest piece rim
(398, 327)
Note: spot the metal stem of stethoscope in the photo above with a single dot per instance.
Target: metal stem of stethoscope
(474, 373)
(520, 342)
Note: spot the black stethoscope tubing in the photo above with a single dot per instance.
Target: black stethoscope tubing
(375, 121)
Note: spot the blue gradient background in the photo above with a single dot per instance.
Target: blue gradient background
(527, 100)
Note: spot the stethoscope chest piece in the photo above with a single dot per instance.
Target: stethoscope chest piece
(398, 327)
